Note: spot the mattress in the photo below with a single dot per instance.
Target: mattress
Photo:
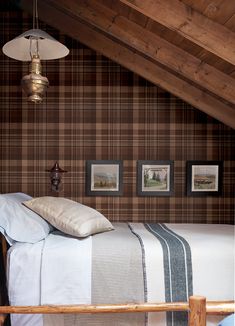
(133, 263)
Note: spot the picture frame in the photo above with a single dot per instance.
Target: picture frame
(104, 178)
(204, 178)
(155, 178)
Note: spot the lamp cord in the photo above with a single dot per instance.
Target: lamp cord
(35, 14)
(35, 25)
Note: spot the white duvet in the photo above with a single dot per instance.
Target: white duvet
(37, 275)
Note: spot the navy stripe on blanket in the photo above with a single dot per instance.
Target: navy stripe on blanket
(177, 270)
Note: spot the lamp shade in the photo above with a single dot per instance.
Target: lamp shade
(21, 47)
(56, 169)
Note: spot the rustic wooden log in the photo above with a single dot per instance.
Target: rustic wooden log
(95, 309)
(2, 319)
(4, 251)
(195, 305)
(220, 308)
(197, 311)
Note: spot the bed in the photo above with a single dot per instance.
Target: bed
(125, 270)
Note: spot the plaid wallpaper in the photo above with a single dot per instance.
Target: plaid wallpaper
(97, 110)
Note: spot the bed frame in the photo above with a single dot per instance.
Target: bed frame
(197, 306)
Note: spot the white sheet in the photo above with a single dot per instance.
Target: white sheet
(21, 255)
(62, 285)
(215, 279)
(213, 252)
(48, 260)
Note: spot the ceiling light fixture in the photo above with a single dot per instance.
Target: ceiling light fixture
(35, 45)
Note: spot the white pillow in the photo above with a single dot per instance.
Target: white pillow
(18, 223)
(69, 216)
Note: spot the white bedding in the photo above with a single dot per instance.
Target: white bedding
(58, 270)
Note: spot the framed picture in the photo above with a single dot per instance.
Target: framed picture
(155, 178)
(104, 178)
(204, 178)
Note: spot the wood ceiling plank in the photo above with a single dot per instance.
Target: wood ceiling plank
(173, 37)
(189, 47)
(132, 60)
(119, 7)
(151, 45)
(232, 74)
(220, 11)
(138, 18)
(176, 39)
(231, 23)
(217, 10)
(189, 23)
(219, 64)
(198, 5)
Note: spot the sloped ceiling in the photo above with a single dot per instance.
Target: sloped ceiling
(186, 47)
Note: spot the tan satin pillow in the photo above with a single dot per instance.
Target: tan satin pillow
(69, 216)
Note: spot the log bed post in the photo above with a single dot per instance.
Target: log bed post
(3, 249)
(3, 262)
(2, 319)
(197, 311)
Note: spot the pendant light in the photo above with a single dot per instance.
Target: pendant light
(35, 45)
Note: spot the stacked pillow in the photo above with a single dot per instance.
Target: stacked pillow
(18, 223)
(228, 321)
(69, 216)
(31, 222)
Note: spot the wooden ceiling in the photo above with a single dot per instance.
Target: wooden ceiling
(186, 47)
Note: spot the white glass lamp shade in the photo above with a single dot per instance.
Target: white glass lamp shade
(48, 47)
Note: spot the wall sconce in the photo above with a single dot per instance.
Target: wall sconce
(35, 45)
(56, 175)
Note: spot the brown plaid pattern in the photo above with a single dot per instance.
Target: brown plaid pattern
(95, 109)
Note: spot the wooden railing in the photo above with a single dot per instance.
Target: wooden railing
(197, 307)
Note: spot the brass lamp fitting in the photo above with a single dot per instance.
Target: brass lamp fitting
(35, 84)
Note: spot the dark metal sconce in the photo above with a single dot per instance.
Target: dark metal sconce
(56, 175)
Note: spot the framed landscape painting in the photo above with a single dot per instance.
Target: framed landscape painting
(204, 178)
(155, 178)
(104, 178)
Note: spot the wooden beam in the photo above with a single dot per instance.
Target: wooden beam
(132, 60)
(153, 46)
(189, 23)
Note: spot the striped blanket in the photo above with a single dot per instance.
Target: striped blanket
(134, 263)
